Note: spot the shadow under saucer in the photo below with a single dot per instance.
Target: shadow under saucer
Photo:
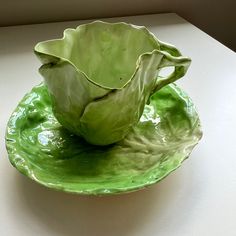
(70, 214)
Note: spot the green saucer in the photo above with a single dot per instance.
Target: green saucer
(40, 148)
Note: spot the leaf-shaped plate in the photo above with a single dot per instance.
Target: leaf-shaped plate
(40, 148)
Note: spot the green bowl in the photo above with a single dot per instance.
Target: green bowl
(40, 148)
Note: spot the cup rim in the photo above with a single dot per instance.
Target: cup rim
(39, 51)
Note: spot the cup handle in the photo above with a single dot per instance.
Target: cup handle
(171, 57)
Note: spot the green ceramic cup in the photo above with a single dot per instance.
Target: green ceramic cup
(100, 76)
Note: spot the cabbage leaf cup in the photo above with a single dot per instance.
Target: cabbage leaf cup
(100, 76)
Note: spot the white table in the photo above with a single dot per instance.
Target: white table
(197, 199)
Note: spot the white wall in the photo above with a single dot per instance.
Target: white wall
(32, 11)
(216, 17)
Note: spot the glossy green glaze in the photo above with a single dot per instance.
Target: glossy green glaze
(100, 76)
(40, 148)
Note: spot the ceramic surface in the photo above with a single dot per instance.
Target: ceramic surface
(100, 76)
(40, 148)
